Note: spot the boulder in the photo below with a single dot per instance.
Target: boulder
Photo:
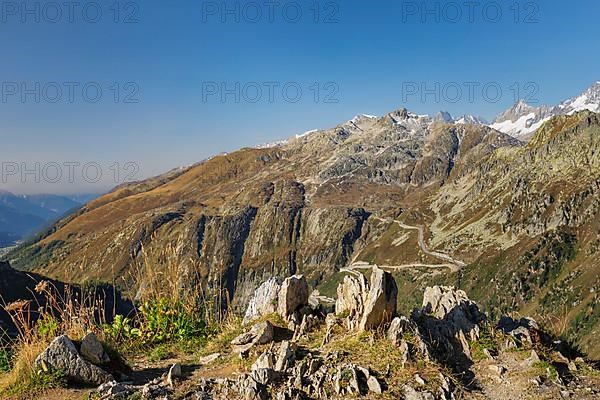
(261, 333)
(174, 373)
(285, 357)
(292, 296)
(448, 320)
(381, 303)
(455, 308)
(264, 301)
(92, 350)
(62, 355)
(351, 297)
(398, 327)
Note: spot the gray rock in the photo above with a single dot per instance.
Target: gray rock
(264, 333)
(285, 357)
(265, 376)
(380, 306)
(209, 359)
(351, 298)
(155, 390)
(292, 296)
(411, 394)
(264, 301)
(374, 385)
(92, 350)
(266, 360)
(174, 373)
(449, 319)
(62, 355)
(114, 390)
(398, 327)
(533, 358)
(522, 335)
(453, 306)
(404, 351)
(419, 380)
(261, 333)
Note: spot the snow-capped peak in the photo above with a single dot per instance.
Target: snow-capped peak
(523, 119)
(468, 119)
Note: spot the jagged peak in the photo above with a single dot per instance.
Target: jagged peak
(443, 116)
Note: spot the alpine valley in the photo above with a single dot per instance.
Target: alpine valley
(508, 212)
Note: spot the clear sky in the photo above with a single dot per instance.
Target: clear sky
(172, 60)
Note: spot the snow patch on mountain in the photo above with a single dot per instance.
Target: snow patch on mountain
(523, 119)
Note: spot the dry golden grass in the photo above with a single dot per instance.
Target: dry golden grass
(69, 312)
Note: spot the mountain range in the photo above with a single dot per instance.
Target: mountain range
(514, 223)
(23, 215)
(522, 119)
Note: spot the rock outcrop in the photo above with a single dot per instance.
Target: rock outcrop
(264, 301)
(381, 303)
(62, 355)
(367, 305)
(424, 350)
(351, 298)
(292, 296)
(450, 319)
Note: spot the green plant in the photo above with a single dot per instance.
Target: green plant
(487, 340)
(5, 360)
(48, 326)
(121, 330)
(165, 320)
(161, 352)
(549, 369)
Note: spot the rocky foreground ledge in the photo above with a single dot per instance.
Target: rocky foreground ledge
(295, 347)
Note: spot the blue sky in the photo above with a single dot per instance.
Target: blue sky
(362, 60)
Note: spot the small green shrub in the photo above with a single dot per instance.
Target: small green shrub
(487, 340)
(48, 326)
(5, 360)
(121, 330)
(546, 367)
(164, 320)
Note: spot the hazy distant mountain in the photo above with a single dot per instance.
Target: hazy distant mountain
(23, 215)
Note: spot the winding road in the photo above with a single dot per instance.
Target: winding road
(449, 262)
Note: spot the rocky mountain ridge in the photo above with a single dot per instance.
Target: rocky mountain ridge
(371, 191)
(522, 119)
